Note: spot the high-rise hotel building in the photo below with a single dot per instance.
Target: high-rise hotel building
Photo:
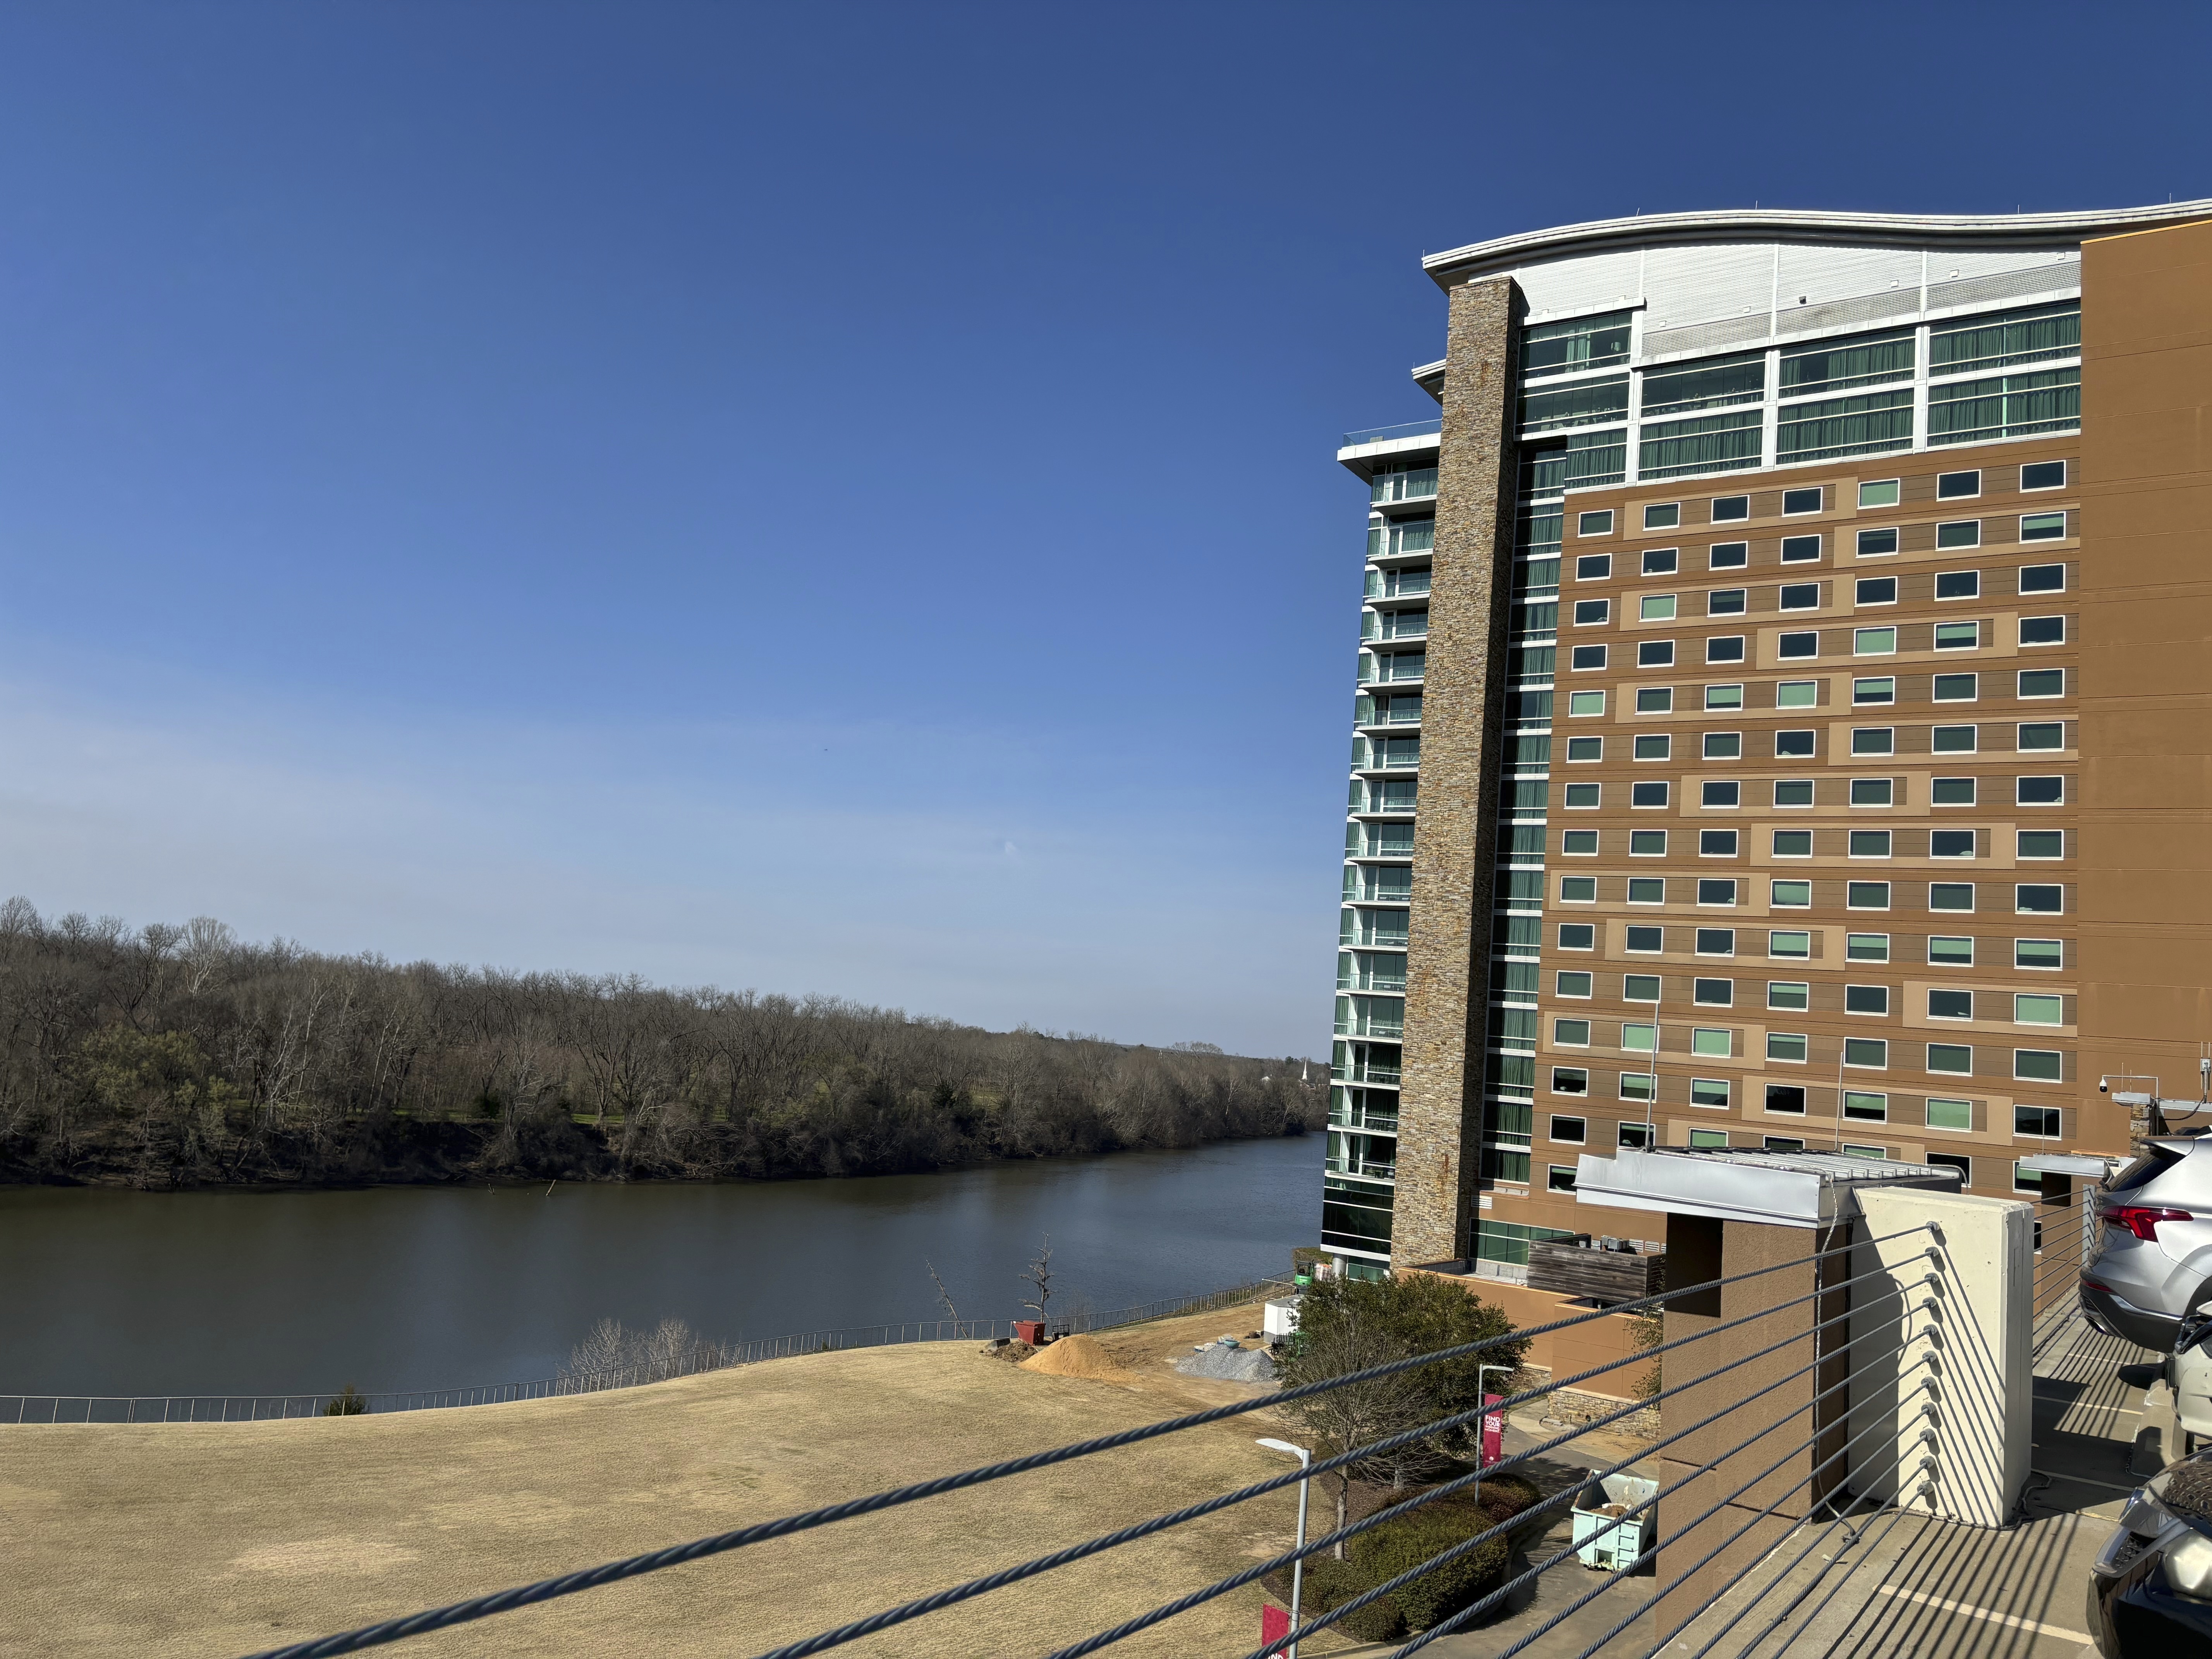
(1785, 710)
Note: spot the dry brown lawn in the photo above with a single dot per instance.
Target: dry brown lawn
(230, 1538)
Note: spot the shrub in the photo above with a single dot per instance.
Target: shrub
(1330, 1583)
(1401, 1546)
(1506, 1497)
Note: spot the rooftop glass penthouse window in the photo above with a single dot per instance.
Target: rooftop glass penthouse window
(1836, 365)
(1589, 402)
(1581, 459)
(1710, 383)
(1578, 343)
(1975, 344)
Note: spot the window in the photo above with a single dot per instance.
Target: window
(1585, 749)
(1647, 794)
(2038, 1065)
(1950, 843)
(2043, 734)
(1956, 486)
(1866, 895)
(1789, 946)
(1793, 742)
(1801, 596)
(1958, 584)
(1593, 567)
(1572, 1033)
(1793, 843)
(1570, 1080)
(1664, 517)
(1728, 555)
(1953, 739)
(2042, 683)
(1875, 590)
(1726, 649)
(1588, 613)
(1647, 843)
(1796, 694)
(1635, 1137)
(1660, 560)
(1716, 941)
(1709, 1091)
(1582, 657)
(2037, 898)
(1559, 1178)
(1786, 1046)
(1640, 1039)
(1798, 644)
(2038, 1010)
(1950, 1005)
(1883, 492)
(1643, 939)
(1717, 843)
(1866, 999)
(1725, 602)
(2005, 406)
(1959, 636)
(1581, 797)
(2042, 579)
(1865, 1051)
(1869, 843)
(1874, 792)
(1655, 700)
(2025, 1180)
(1789, 995)
(1578, 843)
(1792, 895)
(1578, 890)
(2043, 475)
(1800, 549)
(2037, 953)
(1573, 983)
(1585, 702)
(2043, 630)
(1873, 543)
(1723, 697)
(1960, 532)
(1656, 607)
(1793, 792)
(1707, 1141)
(1951, 1115)
(1949, 952)
(1867, 947)
(1714, 1044)
(1720, 793)
(1802, 500)
(1577, 936)
(1714, 992)
(1570, 1130)
(1874, 641)
(1866, 1108)
(1953, 688)
(1716, 890)
(1951, 1059)
(1787, 1097)
(1873, 740)
(2042, 526)
(1724, 745)
(1951, 792)
(2040, 843)
(1647, 890)
(2039, 791)
(1653, 746)
(2041, 1122)
(1639, 988)
(1728, 508)
(1951, 896)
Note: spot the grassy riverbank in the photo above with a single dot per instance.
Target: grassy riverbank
(185, 1057)
(229, 1538)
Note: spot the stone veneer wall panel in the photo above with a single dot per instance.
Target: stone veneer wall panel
(1462, 713)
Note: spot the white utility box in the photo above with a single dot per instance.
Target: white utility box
(1280, 1318)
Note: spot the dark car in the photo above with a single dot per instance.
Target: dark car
(2150, 1591)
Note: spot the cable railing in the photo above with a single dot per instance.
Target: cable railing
(52, 1409)
(1780, 1408)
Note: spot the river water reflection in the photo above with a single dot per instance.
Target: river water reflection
(121, 1292)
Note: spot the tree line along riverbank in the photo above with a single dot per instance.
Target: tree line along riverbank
(172, 1057)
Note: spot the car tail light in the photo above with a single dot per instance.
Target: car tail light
(2143, 1223)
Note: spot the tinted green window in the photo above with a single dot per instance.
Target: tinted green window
(1589, 402)
(1578, 343)
(2008, 406)
(1975, 343)
(1950, 1115)
(1710, 443)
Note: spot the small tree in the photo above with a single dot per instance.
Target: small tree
(349, 1401)
(1039, 1278)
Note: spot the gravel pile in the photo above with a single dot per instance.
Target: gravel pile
(1230, 1365)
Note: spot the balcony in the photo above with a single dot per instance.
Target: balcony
(1393, 625)
(1418, 484)
(1383, 434)
(1361, 1166)
(1367, 1119)
(1355, 1070)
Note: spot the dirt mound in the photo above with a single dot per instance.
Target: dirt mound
(1077, 1356)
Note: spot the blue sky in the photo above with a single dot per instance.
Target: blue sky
(828, 499)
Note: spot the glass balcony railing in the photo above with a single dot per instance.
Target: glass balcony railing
(1417, 485)
(1393, 625)
(1354, 1070)
(1375, 435)
(1357, 1166)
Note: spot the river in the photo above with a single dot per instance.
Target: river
(412, 1288)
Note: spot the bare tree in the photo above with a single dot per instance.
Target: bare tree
(1039, 1277)
(943, 1295)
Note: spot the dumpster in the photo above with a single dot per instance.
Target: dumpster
(1605, 1537)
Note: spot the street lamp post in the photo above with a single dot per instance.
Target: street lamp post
(1299, 1566)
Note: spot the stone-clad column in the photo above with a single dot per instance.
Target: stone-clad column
(1462, 717)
